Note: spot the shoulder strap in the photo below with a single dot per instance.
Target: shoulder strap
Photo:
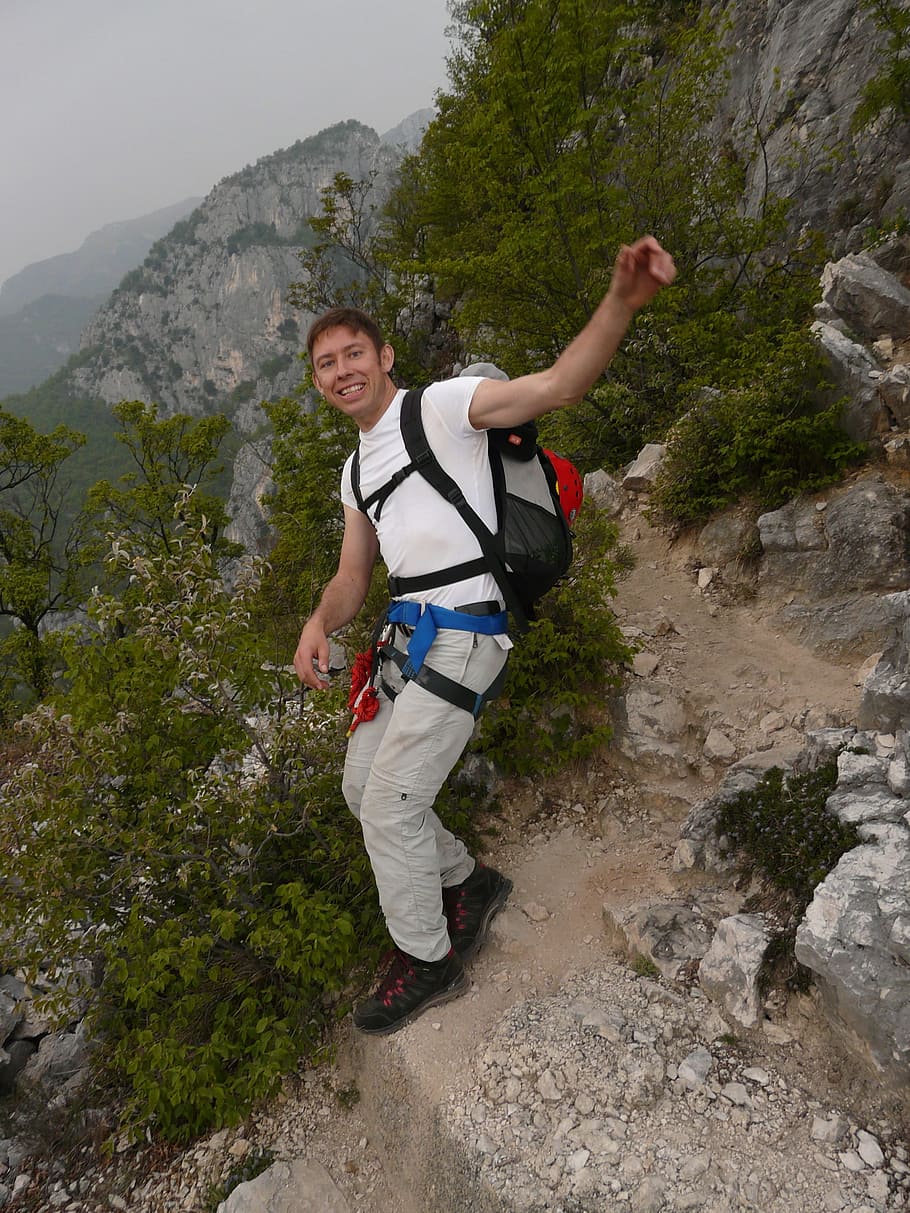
(377, 498)
(355, 480)
(425, 462)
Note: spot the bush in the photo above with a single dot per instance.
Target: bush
(179, 816)
(786, 833)
(553, 711)
(768, 438)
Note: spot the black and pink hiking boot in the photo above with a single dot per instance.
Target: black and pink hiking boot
(409, 988)
(471, 906)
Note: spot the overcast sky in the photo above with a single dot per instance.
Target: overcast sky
(113, 108)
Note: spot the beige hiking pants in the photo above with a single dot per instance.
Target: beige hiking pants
(395, 766)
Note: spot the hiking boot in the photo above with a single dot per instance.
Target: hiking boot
(408, 989)
(471, 906)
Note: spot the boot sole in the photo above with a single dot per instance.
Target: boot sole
(455, 989)
(502, 896)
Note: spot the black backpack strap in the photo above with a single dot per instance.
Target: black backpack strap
(426, 463)
(378, 498)
(355, 480)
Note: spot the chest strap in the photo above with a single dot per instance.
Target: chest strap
(426, 620)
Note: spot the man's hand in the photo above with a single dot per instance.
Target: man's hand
(641, 270)
(312, 655)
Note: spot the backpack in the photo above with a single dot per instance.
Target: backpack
(531, 548)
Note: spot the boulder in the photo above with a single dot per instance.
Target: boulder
(668, 935)
(856, 376)
(651, 726)
(604, 492)
(641, 474)
(855, 938)
(730, 969)
(725, 539)
(869, 298)
(287, 1187)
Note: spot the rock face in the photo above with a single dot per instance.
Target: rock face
(287, 1187)
(204, 324)
(800, 67)
(856, 940)
(860, 540)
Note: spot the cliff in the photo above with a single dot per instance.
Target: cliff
(203, 325)
(798, 69)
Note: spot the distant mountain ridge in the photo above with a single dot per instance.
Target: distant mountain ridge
(46, 305)
(96, 267)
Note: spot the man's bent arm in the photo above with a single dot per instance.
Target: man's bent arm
(341, 599)
(641, 270)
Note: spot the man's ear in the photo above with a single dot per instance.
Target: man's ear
(387, 358)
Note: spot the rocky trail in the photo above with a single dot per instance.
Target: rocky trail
(573, 1077)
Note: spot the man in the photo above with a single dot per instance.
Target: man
(437, 902)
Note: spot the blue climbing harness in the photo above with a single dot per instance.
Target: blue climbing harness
(425, 620)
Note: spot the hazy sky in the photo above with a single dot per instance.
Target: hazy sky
(113, 108)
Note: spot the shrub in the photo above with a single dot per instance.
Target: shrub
(768, 438)
(552, 711)
(786, 833)
(179, 816)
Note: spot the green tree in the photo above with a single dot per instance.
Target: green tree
(889, 91)
(179, 815)
(166, 456)
(340, 266)
(41, 554)
(571, 128)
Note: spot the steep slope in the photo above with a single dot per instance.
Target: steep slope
(560, 1082)
(798, 69)
(95, 268)
(204, 323)
(38, 339)
(45, 307)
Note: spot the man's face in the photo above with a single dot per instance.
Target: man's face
(352, 375)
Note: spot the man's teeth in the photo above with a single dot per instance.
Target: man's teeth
(353, 387)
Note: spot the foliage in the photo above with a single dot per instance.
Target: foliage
(41, 559)
(180, 818)
(51, 404)
(769, 438)
(252, 235)
(570, 129)
(309, 451)
(786, 832)
(552, 711)
(272, 367)
(644, 966)
(339, 266)
(166, 455)
(888, 92)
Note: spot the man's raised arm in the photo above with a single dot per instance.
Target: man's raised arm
(341, 599)
(641, 270)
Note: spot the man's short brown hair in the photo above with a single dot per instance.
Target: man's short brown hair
(345, 317)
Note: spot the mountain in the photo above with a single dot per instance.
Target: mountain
(95, 268)
(408, 134)
(204, 324)
(45, 307)
(38, 339)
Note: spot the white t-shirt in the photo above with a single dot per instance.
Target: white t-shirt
(418, 530)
